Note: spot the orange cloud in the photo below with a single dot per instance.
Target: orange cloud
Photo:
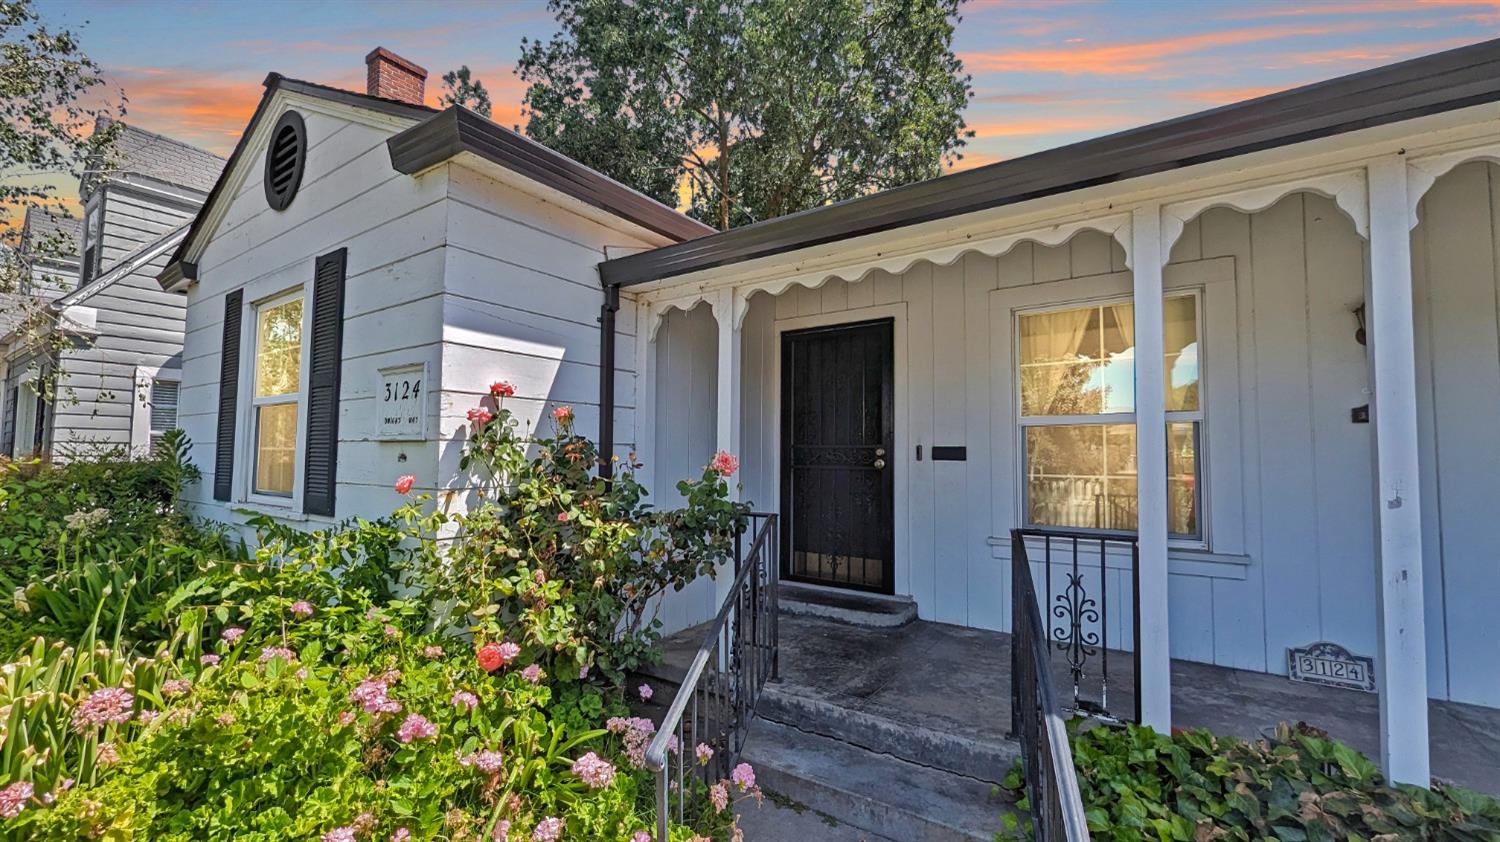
(1138, 58)
(1033, 126)
(209, 111)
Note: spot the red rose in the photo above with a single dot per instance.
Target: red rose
(501, 389)
(404, 484)
(490, 658)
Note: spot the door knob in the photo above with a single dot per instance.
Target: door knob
(879, 463)
(879, 451)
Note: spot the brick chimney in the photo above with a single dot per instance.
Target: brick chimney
(393, 77)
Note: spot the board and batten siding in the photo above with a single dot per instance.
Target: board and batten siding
(1455, 255)
(1289, 486)
(392, 308)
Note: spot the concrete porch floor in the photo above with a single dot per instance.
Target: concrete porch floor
(956, 680)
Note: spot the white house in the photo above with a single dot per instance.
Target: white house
(910, 375)
(118, 364)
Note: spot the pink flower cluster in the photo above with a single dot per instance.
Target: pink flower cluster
(416, 727)
(724, 464)
(302, 609)
(641, 836)
(501, 831)
(547, 830)
(432, 651)
(464, 699)
(175, 687)
(209, 660)
(533, 674)
(109, 706)
(270, 653)
(485, 760)
(401, 835)
(372, 696)
(636, 733)
(743, 777)
(232, 634)
(594, 771)
(704, 754)
(14, 798)
(339, 834)
(719, 795)
(493, 656)
(646, 692)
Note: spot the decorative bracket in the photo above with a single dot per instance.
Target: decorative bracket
(1347, 189)
(1422, 173)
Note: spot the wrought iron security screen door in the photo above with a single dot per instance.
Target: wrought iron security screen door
(837, 414)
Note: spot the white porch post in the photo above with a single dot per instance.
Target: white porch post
(645, 392)
(1155, 679)
(728, 404)
(1398, 546)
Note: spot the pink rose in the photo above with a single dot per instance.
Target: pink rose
(501, 389)
(480, 416)
(724, 464)
(646, 692)
(563, 415)
(405, 482)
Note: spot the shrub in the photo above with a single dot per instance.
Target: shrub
(569, 562)
(1138, 784)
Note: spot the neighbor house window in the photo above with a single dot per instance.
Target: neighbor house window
(277, 394)
(1077, 385)
(93, 234)
(163, 406)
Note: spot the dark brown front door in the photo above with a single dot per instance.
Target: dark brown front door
(837, 489)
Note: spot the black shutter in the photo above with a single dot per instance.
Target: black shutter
(321, 457)
(8, 423)
(229, 393)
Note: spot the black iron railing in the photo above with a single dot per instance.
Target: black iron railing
(1085, 580)
(717, 699)
(1052, 796)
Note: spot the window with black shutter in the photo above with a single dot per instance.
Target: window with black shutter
(320, 457)
(229, 385)
(8, 423)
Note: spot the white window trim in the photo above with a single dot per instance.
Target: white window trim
(1197, 416)
(245, 429)
(140, 406)
(1228, 515)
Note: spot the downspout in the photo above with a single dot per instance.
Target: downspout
(607, 380)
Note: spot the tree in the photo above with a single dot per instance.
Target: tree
(759, 107)
(49, 110)
(466, 91)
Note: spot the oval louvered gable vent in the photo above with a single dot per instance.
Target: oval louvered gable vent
(284, 159)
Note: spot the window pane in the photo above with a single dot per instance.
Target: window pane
(278, 349)
(1181, 334)
(1083, 476)
(1182, 479)
(275, 448)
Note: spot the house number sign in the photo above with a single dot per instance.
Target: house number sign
(1333, 665)
(399, 402)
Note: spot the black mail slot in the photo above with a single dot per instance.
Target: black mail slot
(949, 453)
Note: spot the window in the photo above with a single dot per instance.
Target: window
(276, 395)
(93, 231)
(163, 408)
(1077, 384)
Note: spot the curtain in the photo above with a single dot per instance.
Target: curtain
(1049, 337)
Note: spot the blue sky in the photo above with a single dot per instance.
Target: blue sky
(1045, 73)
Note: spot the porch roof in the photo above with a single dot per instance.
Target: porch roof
(1423, 86)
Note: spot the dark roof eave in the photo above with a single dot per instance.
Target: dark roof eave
(457, 130)
(1418, 87)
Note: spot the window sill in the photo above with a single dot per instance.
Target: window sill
(253, 508)
(1181, 561)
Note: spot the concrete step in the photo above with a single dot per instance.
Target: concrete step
(845, 606)
(950, 751)
(874, 792)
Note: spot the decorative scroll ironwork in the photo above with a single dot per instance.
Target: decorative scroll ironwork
(718, 695)
(1076, 571)
(1056, 806)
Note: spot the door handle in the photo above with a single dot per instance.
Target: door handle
(879, 451)
(879, 463)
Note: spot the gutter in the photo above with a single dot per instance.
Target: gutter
(607, 380)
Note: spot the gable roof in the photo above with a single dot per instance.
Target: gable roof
(437, 137)
(140, 152)
(40, 225)
(458, 130)
(177, 269)
(1428, 85)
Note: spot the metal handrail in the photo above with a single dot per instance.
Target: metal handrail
(1056, 805)
(755, 578)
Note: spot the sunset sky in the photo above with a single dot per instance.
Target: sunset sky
(1045, 73)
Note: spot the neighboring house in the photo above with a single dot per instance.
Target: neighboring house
(47, 267)
(909, 376)
(117, 373)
